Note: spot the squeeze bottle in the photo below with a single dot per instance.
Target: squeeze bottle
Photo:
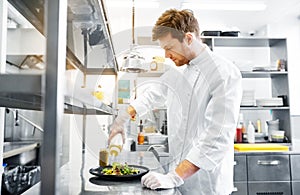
(116, 145)
(251, 133)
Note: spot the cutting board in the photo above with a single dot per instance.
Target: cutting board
(260, 147)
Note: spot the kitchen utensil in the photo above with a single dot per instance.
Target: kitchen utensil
(273, 125)
(97, 172)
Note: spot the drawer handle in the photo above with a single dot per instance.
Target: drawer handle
(268, 162)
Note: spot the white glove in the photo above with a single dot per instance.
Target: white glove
(155, 180)
(118, 125)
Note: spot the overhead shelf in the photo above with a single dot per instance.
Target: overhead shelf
(264, 107)
(223, 41)
(263, 74)
(24, 92)
(74, 106)
(87, 25)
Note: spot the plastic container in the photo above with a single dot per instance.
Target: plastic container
(251, 133)
(116, 145)
(277, 136)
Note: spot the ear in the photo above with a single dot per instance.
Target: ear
(189, 38)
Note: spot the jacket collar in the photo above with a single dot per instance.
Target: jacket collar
(202, 57)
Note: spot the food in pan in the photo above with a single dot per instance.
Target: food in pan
(120, 169)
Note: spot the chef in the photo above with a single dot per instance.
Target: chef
(203, 94)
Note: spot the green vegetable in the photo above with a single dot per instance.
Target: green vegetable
(120, 169)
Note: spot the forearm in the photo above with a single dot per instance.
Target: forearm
(186, 169)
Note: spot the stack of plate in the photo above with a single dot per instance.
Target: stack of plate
(248, 98)
(269, 102)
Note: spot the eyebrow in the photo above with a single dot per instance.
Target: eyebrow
(169, 44)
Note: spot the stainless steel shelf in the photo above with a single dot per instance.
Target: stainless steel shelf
(74, 106)
(264, 108)
(87, 15)
(151, 74)
(24, 92)
(263, 74)
(223, 41)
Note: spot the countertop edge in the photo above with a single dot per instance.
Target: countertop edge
(20, 150)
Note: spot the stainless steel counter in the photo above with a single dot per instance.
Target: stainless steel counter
(76, 179)
(14, 148)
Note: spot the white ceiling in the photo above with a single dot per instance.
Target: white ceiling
(277, 11)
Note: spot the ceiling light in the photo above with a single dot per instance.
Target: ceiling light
(133, 61)
(227, 6)
(139, 4)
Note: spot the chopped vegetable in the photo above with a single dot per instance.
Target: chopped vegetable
(120, 169)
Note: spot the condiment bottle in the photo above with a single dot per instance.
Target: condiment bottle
(242, 126)
(141, 137)
(251, 133)
(239, 136)
(116, 145)
(103, 157)
(258, 126)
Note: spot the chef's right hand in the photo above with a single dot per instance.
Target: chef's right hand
(118, 125)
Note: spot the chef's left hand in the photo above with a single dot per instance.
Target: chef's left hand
(155, 180)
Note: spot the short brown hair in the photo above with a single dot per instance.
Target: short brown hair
(176, 22)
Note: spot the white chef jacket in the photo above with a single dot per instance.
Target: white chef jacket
(203, 100)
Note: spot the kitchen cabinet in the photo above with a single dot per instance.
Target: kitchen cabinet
(295, 169)
(267, 173)
(257, 58)
(268, 168)
(240, 175)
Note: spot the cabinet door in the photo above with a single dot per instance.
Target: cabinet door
(295, 167)
(271, 188)
(240, 170)
(295, 187)
(268, 168)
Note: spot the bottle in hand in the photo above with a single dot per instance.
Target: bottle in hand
(116, 145)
